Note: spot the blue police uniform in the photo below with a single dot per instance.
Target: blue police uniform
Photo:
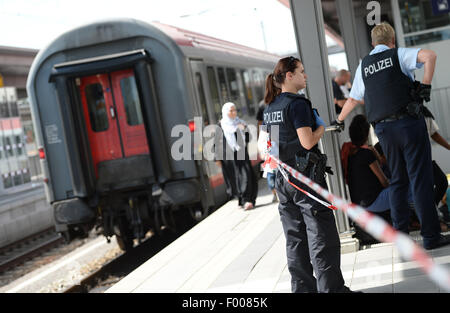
(385, 80)
(312, 240)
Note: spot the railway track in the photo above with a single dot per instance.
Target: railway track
(30, 247)
(21, 258)
(114, 270)
(32, 253)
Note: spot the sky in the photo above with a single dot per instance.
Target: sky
(262, 24)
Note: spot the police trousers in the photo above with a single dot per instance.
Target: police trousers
(312, 240)
(408, 152)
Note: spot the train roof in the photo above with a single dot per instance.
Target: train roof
(180, 41)
(88, 34)
(189, 38)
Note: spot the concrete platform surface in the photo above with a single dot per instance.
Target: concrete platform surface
(236, 251)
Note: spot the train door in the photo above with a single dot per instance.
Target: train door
(203, 108)
(201, 100)
(129, 113)
(113, 116)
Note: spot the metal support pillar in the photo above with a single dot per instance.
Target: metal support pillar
(309, 30)
(347, 25)
(352, 47)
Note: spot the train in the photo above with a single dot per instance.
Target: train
(105, 98)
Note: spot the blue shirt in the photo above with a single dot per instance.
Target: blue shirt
(408, 63)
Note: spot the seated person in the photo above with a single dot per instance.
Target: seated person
(382, 160)
(367, 183)
(413, 219)
(439, 181)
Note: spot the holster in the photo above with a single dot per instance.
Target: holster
(415, 107)
(312, 165)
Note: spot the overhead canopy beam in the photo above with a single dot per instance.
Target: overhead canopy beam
(15, 64)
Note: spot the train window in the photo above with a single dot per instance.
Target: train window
(3, 147)
(131, 101)
(201, 94)
(9, 147)
(248, 92)
(14, 108)
(214, 92)
(17, 178)
(7, 181)
(223, 85)
(97, 107)
(234, 88)
(18, 145)
(4, 110)
(259, 86)
(26, 175)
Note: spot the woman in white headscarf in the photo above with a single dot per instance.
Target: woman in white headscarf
(237, 170)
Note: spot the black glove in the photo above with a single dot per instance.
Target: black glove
(424, 92)
(340, 125)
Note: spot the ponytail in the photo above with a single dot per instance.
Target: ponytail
(271, 90)
(276, 79)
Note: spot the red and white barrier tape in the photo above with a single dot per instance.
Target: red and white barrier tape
(330, 206)
(374, 225)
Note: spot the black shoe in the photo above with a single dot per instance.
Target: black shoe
(442, 241)
(345, 289)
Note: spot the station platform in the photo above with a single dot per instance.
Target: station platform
(237, 251)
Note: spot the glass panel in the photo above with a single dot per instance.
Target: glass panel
(427, 38)
(234, 88)
(418, 15)
(97, 107)
(201, 93)
(214, 92)
(223, 85)
(131, 101)
(440, 98)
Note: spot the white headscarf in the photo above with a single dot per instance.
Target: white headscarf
(230, 126)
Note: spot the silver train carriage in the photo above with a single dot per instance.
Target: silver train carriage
(105, 98)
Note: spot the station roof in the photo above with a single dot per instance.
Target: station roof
(16, 61)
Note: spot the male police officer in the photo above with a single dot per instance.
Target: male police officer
(385, 80)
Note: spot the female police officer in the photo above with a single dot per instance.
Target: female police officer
(312, 241)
